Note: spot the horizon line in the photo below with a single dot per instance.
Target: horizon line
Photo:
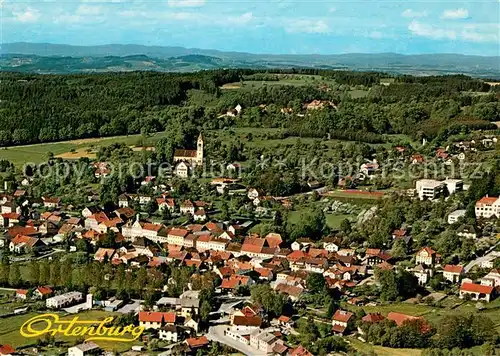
(239, 52)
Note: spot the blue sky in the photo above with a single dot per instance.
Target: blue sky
(262, 26)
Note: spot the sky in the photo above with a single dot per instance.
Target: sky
(262, 26)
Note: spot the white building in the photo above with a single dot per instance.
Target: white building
(488, 207)
(169, 333)
(429, 188)
(454, 185)
(87, 348)
(64, 300)
(454, 216)
(263, 341)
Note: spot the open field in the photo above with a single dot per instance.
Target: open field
(382, 351)
(434, 313)
(286, 79)
(75, 149)
(9, 331)
(38, 153)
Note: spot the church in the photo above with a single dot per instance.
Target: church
(186, 160)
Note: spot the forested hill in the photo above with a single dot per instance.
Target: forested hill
(51, 58)
(361, 106)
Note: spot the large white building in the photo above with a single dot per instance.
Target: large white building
(429, 188)
(488, 207)
(64, 300)
(432, 189)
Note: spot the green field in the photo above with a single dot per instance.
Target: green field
(38, 153)
(434, 313)
(9, 331)
(287, 79)
(262, 138)
(382, 351)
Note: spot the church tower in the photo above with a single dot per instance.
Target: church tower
(199, 150)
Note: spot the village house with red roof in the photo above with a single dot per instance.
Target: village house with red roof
(156, 320)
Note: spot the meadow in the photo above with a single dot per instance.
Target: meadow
(73, 149)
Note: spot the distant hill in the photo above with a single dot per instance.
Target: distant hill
(53, 58)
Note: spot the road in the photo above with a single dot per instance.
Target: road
(216, 333)
(490, 253)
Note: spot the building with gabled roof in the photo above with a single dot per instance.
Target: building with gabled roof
(477, 291)
(487, 207)
(156, 320)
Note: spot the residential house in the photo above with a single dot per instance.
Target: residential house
(50, 202)
(42, 292)
(342, 321)
(476, 291)
(426, 256)
(454, 216)
(492, 279)
(235, 281)
(453, 273)
(93, 221)
(196, 343)
(331, 244)
(369, 169)
(22, 294)
(104, 254)
(156, 320)
(187, 207)
(24, 244)
(7, 350)
(89, 210)
(182, 169)
(124, 200)
(400, 318)
(169, 333)
(422, 273)
(200, 215)
(299, 351)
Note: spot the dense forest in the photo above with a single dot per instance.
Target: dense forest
(43, 108)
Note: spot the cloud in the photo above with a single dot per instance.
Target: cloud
(89, 10)
(307, 26)
(480, 32)
(241, 20)
(489, 32)
(28, 15)
(455, 14)
(424, 30)
(376, 35)
(413, 14)
(186, 3)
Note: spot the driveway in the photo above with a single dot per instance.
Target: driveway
(491, 253)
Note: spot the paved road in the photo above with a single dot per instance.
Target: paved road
(490, 253)
(216, 333)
